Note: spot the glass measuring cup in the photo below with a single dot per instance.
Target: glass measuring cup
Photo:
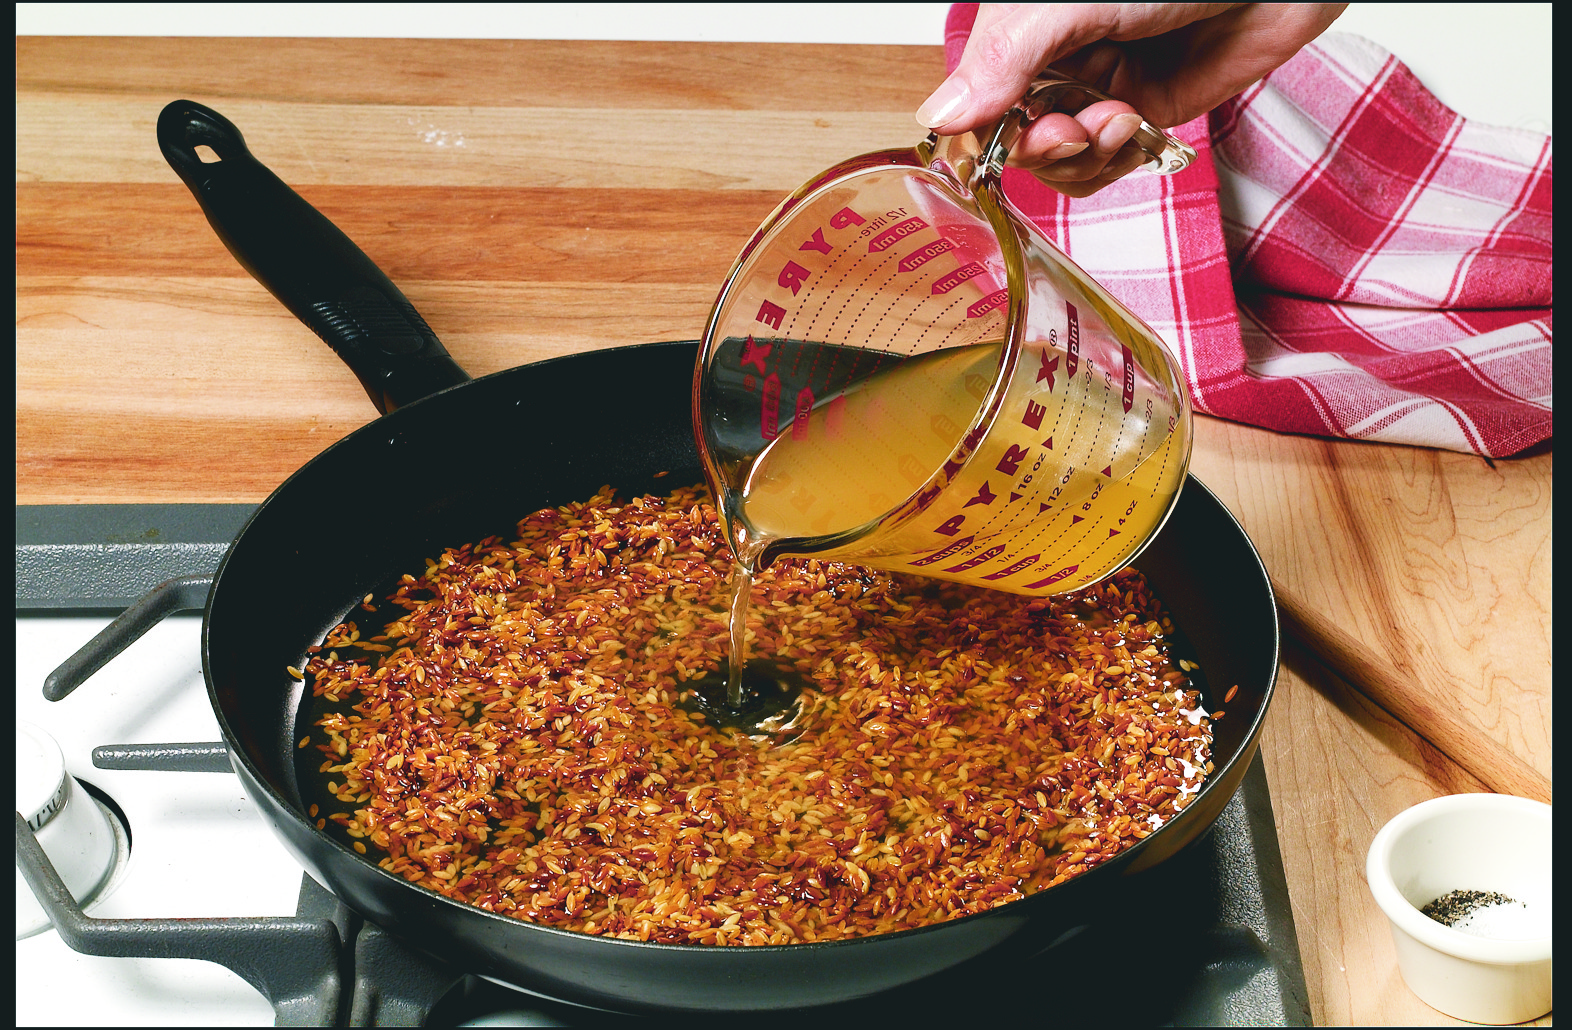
(902, 372)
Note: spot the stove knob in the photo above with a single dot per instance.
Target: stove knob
(70, 825)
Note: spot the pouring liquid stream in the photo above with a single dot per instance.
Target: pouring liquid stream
(1062, 489)
(832, 483)
(834, 460)
(741, 589)
(757, 698)
(902, 372)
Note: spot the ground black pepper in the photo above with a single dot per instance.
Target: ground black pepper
(1452, 906)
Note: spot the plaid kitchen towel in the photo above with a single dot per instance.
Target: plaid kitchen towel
(1347, 257)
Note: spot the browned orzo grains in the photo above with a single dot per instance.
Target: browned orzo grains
(519, 745)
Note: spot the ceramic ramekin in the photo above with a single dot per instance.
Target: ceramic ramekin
(71, 827)
(1480, 842)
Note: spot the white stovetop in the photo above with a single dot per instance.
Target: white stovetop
(198, 848)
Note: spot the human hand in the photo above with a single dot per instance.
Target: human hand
(1169, 62)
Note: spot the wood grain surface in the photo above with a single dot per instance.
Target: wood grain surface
(542, 198)
(1423, 576)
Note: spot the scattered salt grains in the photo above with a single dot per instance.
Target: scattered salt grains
(1490, 915)
(1509, 921)
(518, 746)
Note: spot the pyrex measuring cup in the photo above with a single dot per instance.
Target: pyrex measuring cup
(902, 372)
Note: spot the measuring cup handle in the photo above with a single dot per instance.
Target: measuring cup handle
(1050, 92)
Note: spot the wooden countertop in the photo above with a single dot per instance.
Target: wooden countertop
(540, 198)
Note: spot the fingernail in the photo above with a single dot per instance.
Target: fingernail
(1118, 131)
(1121, 166)
(1065, 150)
(945, 103)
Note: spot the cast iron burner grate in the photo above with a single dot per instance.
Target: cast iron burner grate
(1204, 939)
(1223, 901)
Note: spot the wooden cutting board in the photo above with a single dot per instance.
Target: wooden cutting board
(541, 198)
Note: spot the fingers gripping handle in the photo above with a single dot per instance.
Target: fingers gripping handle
(1164, 153)
(305, 261)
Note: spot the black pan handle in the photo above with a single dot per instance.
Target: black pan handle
(305, 261)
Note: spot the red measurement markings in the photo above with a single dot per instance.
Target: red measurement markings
(923, 255)
(944, 552)
(1024, 563)
(791, 277)
(949, 281)
(1129, 379)
(971, 563)
(994, 300)
(799, 422)
(1072, 348)
(770, 407)
(1062, 574)
(894, 234)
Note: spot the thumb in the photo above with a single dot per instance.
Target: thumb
(1009, 45)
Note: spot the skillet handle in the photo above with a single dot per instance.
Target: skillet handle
(305, 261)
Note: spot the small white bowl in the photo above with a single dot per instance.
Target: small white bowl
(1477, 842)
(72, 828)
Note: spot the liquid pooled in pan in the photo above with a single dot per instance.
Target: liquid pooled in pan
(526, 736)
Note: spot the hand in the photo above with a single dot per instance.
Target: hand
(1170, 62)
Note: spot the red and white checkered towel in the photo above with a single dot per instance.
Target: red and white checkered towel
(1348, 257)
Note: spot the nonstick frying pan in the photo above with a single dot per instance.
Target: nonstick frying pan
(454, 460)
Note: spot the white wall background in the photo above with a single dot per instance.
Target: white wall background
(1487, 61)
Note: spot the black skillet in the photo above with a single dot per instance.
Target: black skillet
(461, 459)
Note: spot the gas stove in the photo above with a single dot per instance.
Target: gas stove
(188, 845)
